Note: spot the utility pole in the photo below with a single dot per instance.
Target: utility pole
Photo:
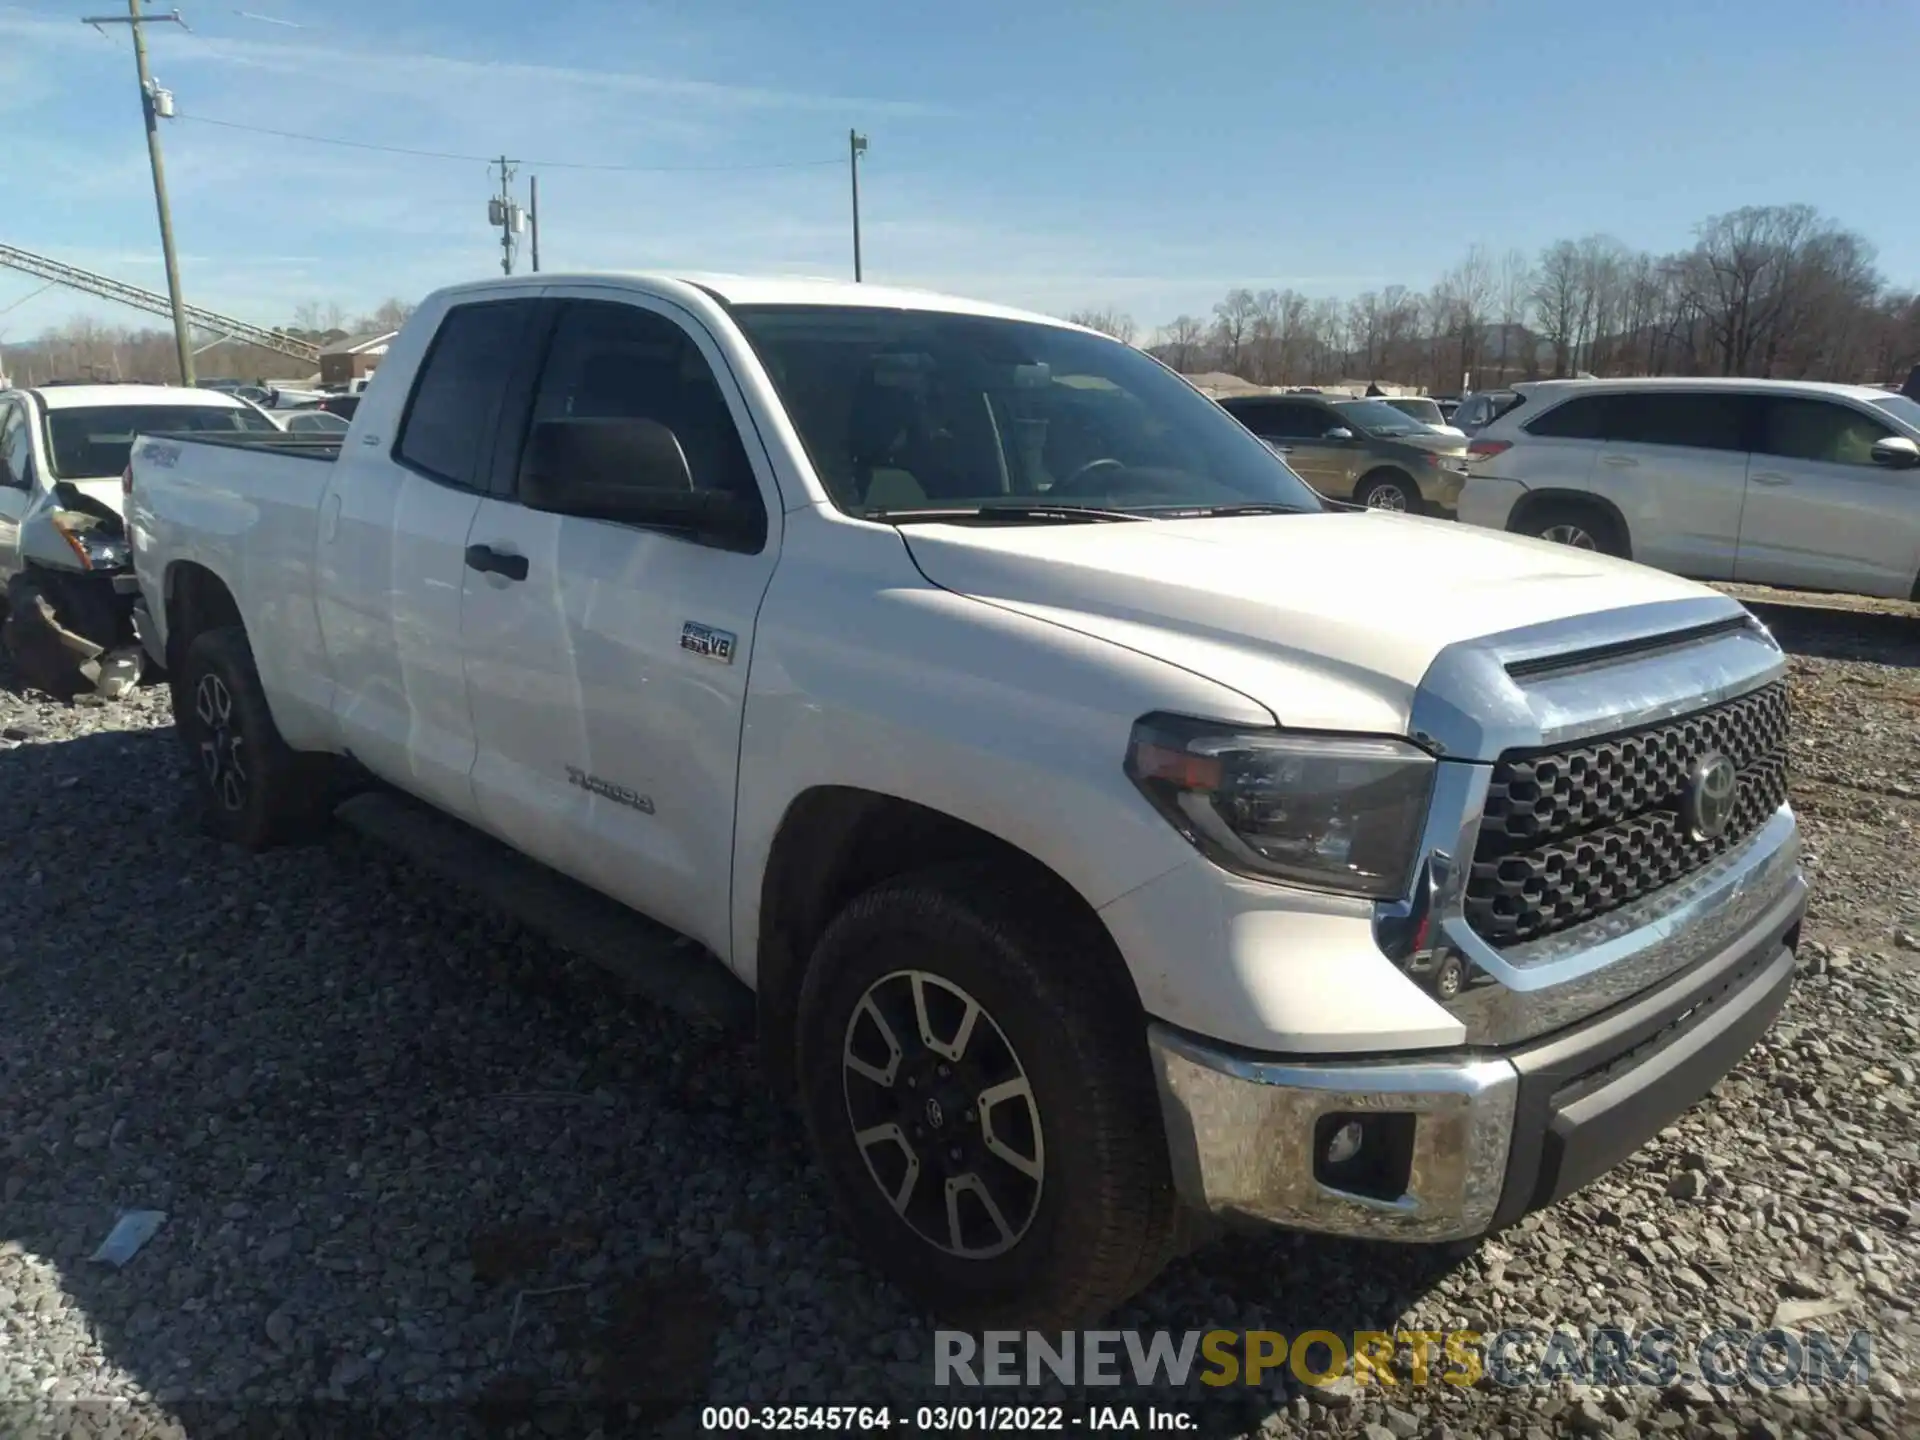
(157, 104)
(502, 211)
(856, 147)
(533, 217)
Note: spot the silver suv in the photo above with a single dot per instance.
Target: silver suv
(1769, 482)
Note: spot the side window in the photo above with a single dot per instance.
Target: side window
(1256, 415)
(612, 361)
(1293, 421)
(1581, 418)
(1819, 430)
(447, 432)
(1696, 421)
(15, 446)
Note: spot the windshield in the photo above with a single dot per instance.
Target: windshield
(904, 410)
(92, 442)
(1376, 417)
(1900, 408)
(1427, 412)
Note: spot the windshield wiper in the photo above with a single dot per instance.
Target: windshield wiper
(1044, 513)
(1212, 512)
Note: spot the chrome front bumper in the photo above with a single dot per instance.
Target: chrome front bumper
(1500, 1130)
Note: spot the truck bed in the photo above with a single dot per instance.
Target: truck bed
(303, 447)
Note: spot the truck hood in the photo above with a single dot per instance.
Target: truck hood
(1329, 620)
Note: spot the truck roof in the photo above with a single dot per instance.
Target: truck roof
(73, 397)
(767, 290)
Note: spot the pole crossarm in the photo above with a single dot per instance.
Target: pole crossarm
(89, 283)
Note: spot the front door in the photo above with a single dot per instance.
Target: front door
(1820, 513)
(1674, 462)
(1298, 430)
(16, 480)
(607, 664)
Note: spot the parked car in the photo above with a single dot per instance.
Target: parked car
(1475, 412)
(1426, 411)
(1360, 450)
(1102, 824)
(64, 568)
(312, 422)
(1770, 482)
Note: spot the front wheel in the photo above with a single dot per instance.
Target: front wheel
(977, 1088)
(1387, 491)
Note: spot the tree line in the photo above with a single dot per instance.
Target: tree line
(1776, 291)
(85, 349)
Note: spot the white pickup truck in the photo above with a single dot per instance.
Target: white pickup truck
(1102, 829)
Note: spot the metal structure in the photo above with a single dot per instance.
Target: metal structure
(503, 210)
(89, 283)
(157, 104)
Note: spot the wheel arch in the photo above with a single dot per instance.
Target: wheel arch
(835, 842)
(196, 600)
(1535, 501)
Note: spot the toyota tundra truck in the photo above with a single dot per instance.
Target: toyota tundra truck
(1099, 828)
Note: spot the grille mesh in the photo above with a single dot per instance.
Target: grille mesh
(1572, 833)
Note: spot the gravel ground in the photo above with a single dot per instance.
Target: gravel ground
(407, 1153)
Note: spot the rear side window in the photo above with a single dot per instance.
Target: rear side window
(1819, 430)
(1581, 418)
(447, 432)
(1696, 421)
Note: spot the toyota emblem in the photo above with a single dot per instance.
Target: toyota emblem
(1708, 803)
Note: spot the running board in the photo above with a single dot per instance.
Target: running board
(656, 963)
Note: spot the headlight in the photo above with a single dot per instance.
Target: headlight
(96, 551)
(1332, 812)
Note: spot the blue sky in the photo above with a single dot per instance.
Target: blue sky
(1143, 154)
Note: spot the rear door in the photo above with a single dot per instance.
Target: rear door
(393, 535)
(1298, 429)
(608, 669)
(1820, 513)
(1675, 464)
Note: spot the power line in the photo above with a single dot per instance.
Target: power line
(491, 159)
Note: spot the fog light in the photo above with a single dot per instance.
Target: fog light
(1345, 1143)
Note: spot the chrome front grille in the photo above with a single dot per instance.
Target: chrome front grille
(1571, 832)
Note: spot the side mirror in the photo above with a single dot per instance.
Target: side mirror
(1339, 432)
(630, 471)
(1896, 452)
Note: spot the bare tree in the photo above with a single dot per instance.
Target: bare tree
(1181, 341)
(1513, 289)
(1108, 321)
(1556, 299)
(1232, 321)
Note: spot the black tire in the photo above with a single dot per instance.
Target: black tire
(1389, 490)
(1098, 1221)
(254, 790)
(1578, 526)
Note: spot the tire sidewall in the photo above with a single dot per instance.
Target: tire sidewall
(226, 656)
(891, 930)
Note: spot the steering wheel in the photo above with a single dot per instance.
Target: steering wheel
(1074, 484)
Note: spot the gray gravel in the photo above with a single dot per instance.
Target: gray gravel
(408, 1153)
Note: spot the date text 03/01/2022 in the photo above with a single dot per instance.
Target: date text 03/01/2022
(956, 1419)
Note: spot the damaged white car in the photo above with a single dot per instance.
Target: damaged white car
(64, 564)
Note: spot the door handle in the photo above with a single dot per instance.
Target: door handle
(489, 561)
(1623, 461)
(1771, 477)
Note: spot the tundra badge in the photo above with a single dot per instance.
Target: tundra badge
(707, 641)
(619, 794)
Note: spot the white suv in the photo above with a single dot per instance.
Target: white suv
(1770, 482)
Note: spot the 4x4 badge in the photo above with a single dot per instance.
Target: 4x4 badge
(705, 640)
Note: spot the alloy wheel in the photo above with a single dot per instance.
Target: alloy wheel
(1568, 533)
(1387, 497)
(221, 745)
(943, 1114)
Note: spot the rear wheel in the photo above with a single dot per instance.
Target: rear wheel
(254, 790)
(1388, 490)
(1579, 527)
(977, 1087)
